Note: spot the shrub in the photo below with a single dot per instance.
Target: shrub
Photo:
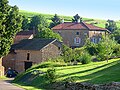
(85, 58)
(51, 75)
(116, 51)
(92, 48)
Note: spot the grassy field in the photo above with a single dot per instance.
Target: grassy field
(96, 22)
(95, 72)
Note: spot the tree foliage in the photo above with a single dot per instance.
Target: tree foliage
(76, 18)
(86, 58)
(25, 23)
(55, 21)
(116, 35)
(105, 48)
(38, 21)
(111, 25)
(48, 33)
(10, 24)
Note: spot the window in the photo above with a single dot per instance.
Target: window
(100, 39)
(77, 40)
(94, 40)
(28, 56)
(77, 33)
(85, 33)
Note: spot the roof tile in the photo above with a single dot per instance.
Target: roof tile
(76, 26)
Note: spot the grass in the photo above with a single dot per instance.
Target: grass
(95, 72)
(96, 22)
(3, 78)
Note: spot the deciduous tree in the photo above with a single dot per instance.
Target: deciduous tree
(10, 24)
(49, 34)
(25, 23)
(111, 25)
(38, 20)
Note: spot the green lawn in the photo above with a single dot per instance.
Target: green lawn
(97, 73)
(96, 22)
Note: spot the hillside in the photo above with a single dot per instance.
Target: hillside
(95, 72)
(96, 22)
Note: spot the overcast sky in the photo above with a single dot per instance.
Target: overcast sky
(100, 9)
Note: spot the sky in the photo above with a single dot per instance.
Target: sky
(98, 9)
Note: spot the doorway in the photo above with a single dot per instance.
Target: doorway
(27, 65)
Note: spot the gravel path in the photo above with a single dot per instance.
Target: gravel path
(6, 85)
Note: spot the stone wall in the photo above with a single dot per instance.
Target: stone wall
(1, 68)
(50, 51)
(21, 58)
(97, 35)
(88, 86)
(9, 61)
(69, 36)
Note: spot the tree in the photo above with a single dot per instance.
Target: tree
(38, 20)
(10, 24)
(105, 48)
(48, 33)
(55, 21)
(76, 18)
(25, 23)
(67, 53)
(116, 35)
(111, 25)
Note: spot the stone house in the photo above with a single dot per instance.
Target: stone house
(74, 34)
(29, 52)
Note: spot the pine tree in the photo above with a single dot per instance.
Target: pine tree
(10, 24)
(55, 21)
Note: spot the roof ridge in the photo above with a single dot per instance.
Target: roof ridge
(84, 24)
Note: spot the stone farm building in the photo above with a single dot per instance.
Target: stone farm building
(74, 33)
(29, 52)
(24, 35)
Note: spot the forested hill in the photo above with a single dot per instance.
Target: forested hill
(96, 22)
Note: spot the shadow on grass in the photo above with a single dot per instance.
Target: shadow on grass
(88, 69)
(39, 82)
(103, 76)
(110, 73)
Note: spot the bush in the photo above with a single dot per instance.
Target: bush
(116, 51)
(51, 75)
(85, 58)
(92, 48)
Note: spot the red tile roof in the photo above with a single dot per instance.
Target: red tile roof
(30, 32)
(77, 26)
